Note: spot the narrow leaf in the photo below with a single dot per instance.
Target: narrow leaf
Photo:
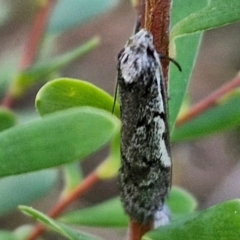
(180, 203)
(107, 214)
(56, 226)
(216, 14)
(185, 56)
(42, 70)
(220, 118)
(179, 81)
(57, 139)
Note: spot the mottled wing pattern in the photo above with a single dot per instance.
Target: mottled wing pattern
(145, 173)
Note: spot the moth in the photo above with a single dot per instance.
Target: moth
(145, 173)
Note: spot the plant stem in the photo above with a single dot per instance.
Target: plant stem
(136, 230)
(36, 35)
(210, 101)
(156, 19)
(8, 101)
(85, 185)
(32, 46)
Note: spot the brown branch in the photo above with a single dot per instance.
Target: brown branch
(157, 21)
(155, 17)
(209, 102)
(87, 183)
(136, 230)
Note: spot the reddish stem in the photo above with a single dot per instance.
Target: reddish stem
(212, 100)
(156, 19)
(36, 34)
(137, 230)
(8, 101)
(32, 46)
(87, 183)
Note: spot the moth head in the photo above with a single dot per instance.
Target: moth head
(138, 57)
(143, 39)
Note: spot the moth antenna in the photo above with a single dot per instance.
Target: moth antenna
(138, 25)
(115, 97)
(140, 14)
(172, 60)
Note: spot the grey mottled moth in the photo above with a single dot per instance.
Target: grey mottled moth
(145, 173)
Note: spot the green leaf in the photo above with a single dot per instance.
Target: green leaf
(64, 93)
(191, 17)
(179, 80)
(70, 13)
(72, 176)
(186, 57)
(110, 167)
(57, 139)
(7, 119)
(56, 226)
(182, 9)
(23, 231)
(8, 69)
(219, 222)
(180, 203)
(216, 14)
(27, 115)
(42, 70)
(5, 13)
(107, 214)
(5, 235)
(220, 118)
(25, 188)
